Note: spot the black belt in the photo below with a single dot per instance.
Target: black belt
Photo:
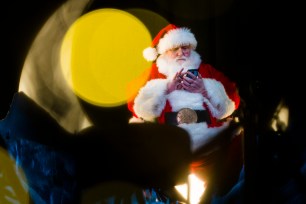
(188, 115)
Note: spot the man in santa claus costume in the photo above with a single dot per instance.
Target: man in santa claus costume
(186, 92)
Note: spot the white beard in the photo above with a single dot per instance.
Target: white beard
(169, 67)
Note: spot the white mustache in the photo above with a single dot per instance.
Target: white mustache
(180, 58)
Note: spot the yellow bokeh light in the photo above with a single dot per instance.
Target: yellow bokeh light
(13, 187)
(101, 55)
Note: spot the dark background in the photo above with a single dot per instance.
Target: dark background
(256, 43)
(249, 40)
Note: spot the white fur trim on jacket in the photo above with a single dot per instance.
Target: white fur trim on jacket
(183, 99)
(136, 120)
(151, 99)
(200, 134)
(218, 102)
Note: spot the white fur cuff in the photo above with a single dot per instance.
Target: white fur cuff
(151, 99)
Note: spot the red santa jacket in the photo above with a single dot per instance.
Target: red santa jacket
(153, 102)
(206, 71)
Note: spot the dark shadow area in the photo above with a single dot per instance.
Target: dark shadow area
(256, 43)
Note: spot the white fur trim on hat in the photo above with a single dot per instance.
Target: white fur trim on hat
(175, 38)
(150, 53)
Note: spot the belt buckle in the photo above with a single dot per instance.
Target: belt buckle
(186, 115)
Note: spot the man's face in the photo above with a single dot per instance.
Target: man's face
(179, 54)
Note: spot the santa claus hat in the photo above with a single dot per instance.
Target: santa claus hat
(169, 37)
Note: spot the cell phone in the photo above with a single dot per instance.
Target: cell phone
(193, 71)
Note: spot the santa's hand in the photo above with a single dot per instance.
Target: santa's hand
(194, 84)
(175, 83)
